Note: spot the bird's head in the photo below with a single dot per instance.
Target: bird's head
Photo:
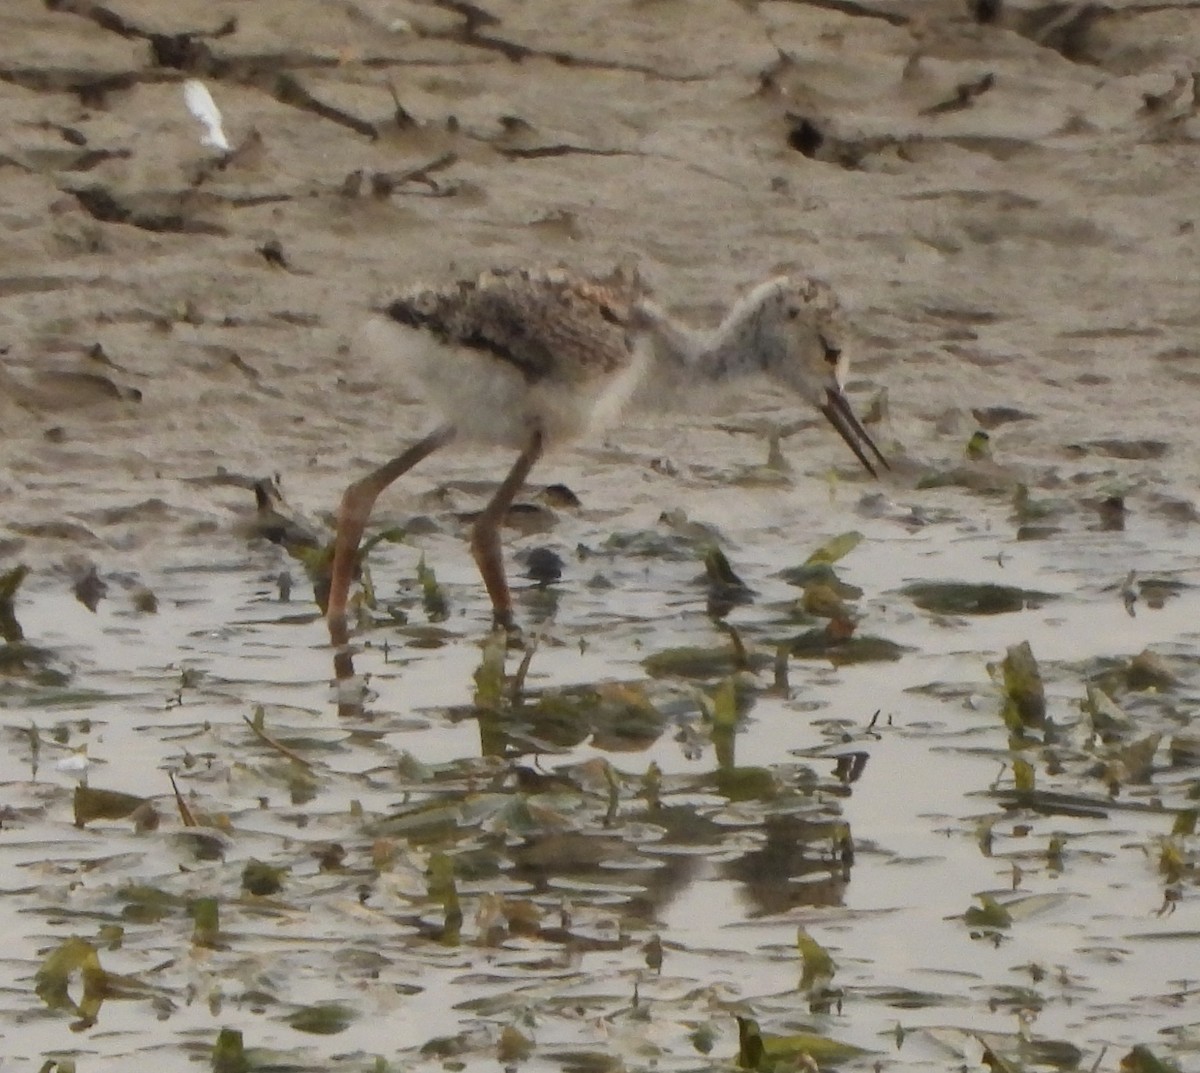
(802, 337)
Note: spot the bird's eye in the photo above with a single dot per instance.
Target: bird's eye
(832, 353)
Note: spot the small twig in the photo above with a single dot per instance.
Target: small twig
(539, 152)
(278, 746)
(185, 814)
(740, 659)
(964, 96)
(404, 118)
(518, 680)
(384, 182)
(781, 685)
(287, 89)
(421, 174)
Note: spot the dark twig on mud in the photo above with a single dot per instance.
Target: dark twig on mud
(384, 182)
(964, 96)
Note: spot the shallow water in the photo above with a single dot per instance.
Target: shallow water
(722, 870)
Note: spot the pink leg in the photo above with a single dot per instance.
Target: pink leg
(485, 537)
(353, 514)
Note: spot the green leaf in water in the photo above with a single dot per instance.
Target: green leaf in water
(229, 1052)
(392, 535)
(112, 936)
(703, 1037)
(1185, 822)
(718, 571)
(751, 1049)
(988, 914)
(323, 1019)
(766, 1053)
(145, 904)
(1055, 849)
(746, 783)
(695, 662)
(58, 1065)
(206, 920)
(724, 705)
(489, 675)
(53, 980)
(830, 642)
(425, 821)
(513, 1046)
(1024, 694)
(825, 601)
(651, 788)
(95, 804)
(652, 951)
(652, 544)
(1142, 1060)
(979, 446)
(811, 574)
(1172, 860)
(262, 879)
(443, 888)
(967, 598)
(450, 1047)
(144, 601)
(834, 549)
(818, 967)
(1023, 776)
(432, 597)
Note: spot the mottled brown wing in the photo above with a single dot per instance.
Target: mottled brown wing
(548, 325)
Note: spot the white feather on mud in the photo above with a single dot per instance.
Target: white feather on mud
(201, 104)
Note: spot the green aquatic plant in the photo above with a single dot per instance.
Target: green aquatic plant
(322, 1019)
(206, 918)
(489, 675)
(443, 889)
(91, 803)
(433, 597)
(1024, 699)
(769, 1053)
(817, 965)
(229, 1052)
(835, 548)
(262, 879)
(969, 598)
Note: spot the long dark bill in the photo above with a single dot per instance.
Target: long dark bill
(842, 418)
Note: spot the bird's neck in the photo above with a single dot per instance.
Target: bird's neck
(738, 347)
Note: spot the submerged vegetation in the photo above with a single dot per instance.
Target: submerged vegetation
(669, 862)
